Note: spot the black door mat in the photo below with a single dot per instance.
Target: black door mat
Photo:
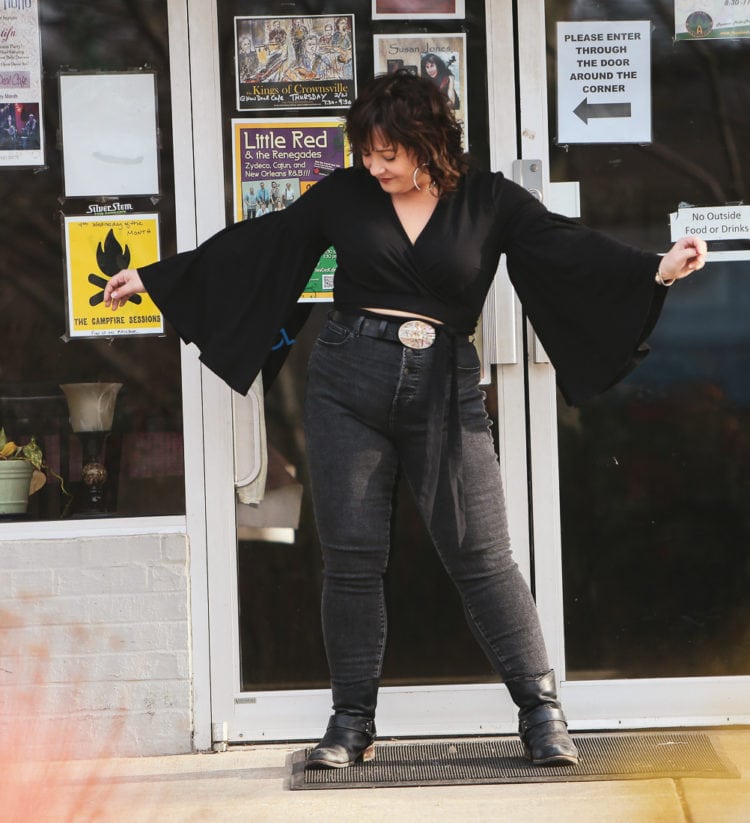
(619, 756)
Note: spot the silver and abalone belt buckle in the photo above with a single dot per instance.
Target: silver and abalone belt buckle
(416, 334)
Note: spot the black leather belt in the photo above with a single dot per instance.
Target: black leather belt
(412, 333)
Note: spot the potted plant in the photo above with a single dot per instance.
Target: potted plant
(22, 473)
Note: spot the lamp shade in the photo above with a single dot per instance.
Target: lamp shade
(91, 405)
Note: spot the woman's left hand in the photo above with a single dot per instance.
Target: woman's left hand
(686, 256)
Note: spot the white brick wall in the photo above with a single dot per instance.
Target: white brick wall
(95, 646)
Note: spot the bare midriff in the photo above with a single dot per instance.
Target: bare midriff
(397, 313)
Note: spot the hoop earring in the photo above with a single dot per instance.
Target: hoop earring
(414, 178)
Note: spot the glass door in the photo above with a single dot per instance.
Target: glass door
(640, 501)
(268, 669)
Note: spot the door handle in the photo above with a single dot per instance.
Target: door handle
(528, 173)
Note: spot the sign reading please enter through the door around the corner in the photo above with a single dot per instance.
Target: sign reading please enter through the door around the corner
(604, 82)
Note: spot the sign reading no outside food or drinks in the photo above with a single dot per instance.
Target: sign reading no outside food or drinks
(604, 82)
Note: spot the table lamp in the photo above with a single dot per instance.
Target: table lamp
(92, 408)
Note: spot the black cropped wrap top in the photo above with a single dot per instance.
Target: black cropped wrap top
(591, 299)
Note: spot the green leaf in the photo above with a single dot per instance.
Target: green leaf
(33, 453)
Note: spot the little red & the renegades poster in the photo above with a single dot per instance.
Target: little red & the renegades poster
(275, 162)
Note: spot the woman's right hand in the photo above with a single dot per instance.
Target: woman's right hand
(121, 286)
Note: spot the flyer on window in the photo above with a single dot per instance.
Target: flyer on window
(276, 162)
(21, 140)
(96, 247)
(439, 57)
(711, 19)
(295, 62)
(417, 9)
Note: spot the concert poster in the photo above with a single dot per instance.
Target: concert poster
(21, 137)
(295, 62)
(275, 162)
(439, 57)
(96, 247)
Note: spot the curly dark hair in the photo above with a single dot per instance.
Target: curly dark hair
(410, 112)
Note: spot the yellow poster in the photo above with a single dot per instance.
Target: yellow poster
(96, 248)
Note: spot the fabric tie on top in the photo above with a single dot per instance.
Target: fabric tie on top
(443, 442)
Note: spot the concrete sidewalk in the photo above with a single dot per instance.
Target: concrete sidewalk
(252, 784)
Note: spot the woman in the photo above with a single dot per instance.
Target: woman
(435, 68)
(393, 377)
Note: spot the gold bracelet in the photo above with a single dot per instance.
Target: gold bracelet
(661, 281)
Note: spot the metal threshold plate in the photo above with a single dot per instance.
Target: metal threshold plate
(617, 756)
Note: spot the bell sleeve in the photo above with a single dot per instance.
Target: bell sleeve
(233, 294)
(592, 300)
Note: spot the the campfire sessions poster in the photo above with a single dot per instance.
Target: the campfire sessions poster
(96, 247)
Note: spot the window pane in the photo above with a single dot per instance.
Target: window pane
(143, 452)
(654, 485)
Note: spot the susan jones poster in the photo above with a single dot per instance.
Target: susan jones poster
(275, 162)
(295, 62)
(21, 141)
(439, 57)
(96, 247)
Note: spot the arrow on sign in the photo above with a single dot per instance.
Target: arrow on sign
(585, 110)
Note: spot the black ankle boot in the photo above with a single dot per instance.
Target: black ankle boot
(541, 722)
(347, 739)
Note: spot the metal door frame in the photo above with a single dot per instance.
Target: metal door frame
(423, 710)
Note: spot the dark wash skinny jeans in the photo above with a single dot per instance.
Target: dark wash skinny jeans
(365, 412)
